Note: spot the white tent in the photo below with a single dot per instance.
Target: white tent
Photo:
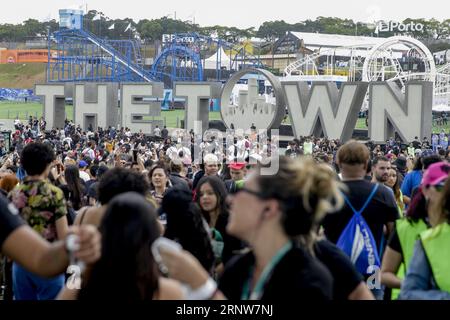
(441, 108)
(211, 62)
(322, 42)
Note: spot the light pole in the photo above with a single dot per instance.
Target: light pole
(48, 53)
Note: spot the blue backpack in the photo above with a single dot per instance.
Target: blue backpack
(357, 240)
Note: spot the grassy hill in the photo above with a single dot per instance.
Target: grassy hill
(22, 75)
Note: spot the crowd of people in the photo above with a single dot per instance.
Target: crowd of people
(243, 234)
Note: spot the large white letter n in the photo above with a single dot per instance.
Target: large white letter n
(392, 111)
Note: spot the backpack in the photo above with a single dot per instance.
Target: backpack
(357, 240)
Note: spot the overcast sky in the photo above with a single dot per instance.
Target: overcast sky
(238, 13)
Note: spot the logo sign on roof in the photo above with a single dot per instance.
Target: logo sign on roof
(393, 26)
(168, 38)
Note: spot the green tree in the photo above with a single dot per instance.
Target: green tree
(33, 28)
(271, 30)
(150, 30)
(438, 30)
(10, 32)
(427, 32)
(51, 26)
(174, 26)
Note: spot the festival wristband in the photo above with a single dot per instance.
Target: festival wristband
(205, 292)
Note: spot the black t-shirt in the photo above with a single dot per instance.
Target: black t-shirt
(298, 276)
(164, 133)
(87, 184)
(9, 219)
(346, 278)
(381, 210)
(231, 245)
(416, 144)
(394, 242)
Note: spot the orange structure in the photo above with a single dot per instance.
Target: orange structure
(24, 56)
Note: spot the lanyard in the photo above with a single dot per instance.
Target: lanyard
(258, 290)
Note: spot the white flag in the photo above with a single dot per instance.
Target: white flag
(111, 27)
(96, 17)
(128, 27)
(376, 30)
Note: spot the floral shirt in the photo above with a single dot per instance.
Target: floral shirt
(40, 204)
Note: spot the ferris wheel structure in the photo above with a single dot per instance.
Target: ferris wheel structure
(397, 59)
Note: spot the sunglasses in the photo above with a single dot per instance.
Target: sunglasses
(439, 187)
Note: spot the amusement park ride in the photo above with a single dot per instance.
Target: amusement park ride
(81, 56)
(381, 62)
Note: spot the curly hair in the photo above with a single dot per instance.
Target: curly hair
(306, 191)
(35, 157)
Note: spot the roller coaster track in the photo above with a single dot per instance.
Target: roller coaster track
(115, 55)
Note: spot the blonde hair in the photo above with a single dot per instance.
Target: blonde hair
(210, 158)
(307, 191)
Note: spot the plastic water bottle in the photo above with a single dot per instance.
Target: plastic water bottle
(75, 268)
(72, 245)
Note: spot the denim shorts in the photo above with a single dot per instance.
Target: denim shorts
(28, 286)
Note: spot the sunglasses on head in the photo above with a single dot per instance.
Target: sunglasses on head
(439, 187)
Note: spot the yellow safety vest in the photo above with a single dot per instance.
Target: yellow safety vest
(436, 243)
(408, 232)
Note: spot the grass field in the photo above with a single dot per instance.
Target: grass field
(12, 110)
(21, 75)
(172, 119)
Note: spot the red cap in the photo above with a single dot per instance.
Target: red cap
(237, 165)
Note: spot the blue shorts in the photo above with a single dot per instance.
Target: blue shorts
(28, 286)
